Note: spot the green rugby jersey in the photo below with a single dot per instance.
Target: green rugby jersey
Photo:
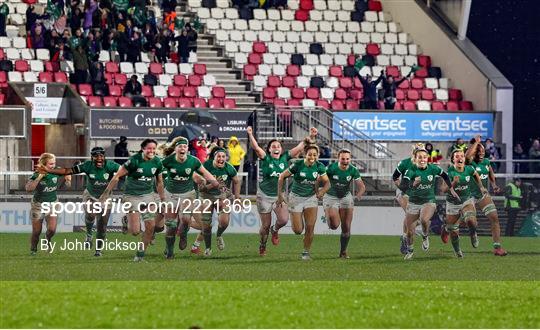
(340, 180)
(271, 169)
(223, 175)
(404, 165)
(304, 177)
(96, 179)
(425, 191)
(46, 188)
(180, 175)
(462, 187)
(141, 173)
(482, 168)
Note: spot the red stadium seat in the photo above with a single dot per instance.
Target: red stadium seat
(357, 83)
(351, 59)
(374, 5)
(109, 101)
(214, 103)
(306, 4)
(400, 94)
(147, 91)
(297, 93)
(409, 105)
(21, 66)
(312, 93)
(294, 103)
(190, 92)
(345, 82)
(427, 94)
(301, 15)
(180, 80)
(340, 94)
(52, 66)
(249, 71)
(218, 92)
(229, 103)
(337, 105)
(94, 101)
(120, 79)
(373, 49)
(108, 78)
(199, 103)
(124, 102)
(293, 70)
(174, 57)
(45, 77)
(154, 102)
(112, 67)
(437, 106)
(466, 106)
(336, 71)
(259, 47)
(115, 90)
(273, 81)
(356, 94)
(2, 54)
(417, 83)
(412, 94)
(169, 102)
(452, 106)
(199, 69)
(351, 105)
(393, 71)
(85, 89)
(405, 84)
(156, 68)
(421, 73)
(455, 94)
(60, 77)
(323, 104)
(398, 105)
(277, 102)
(3, 77)
(174, 91)
(194, 80)
(424, 61)
(288, 81)
(269, 93)
(255, 58)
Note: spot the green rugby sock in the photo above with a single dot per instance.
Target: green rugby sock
(185, 230)
(496, 245)
(169, 241)
(220, 231)
(89, 227)
(208, 240)
(344, 241)
(455, 243)
(140, 254)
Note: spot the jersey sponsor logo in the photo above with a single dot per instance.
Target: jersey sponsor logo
(424, 186)
(275, 174)
(460, 188)
(100, 183)
(180, 178)
(49, 189)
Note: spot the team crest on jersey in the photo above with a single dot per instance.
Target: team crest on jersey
(467, 178)
(315, 174)
(430, 177)
(188, 170)
(106, 176)
(153, 170)
(54, 180)
(224, 177)
(282, 166)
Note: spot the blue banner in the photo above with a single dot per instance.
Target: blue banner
(395, 126)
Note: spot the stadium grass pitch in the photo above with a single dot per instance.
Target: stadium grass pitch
(237, 288)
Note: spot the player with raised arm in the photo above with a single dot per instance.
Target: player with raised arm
(180, 191)
(44, 187)
(463, 204)
(304, 197)
(475, 156)
(140, 169)
(419, 182)
(218, 199)
(98, 173)
(338, 202)
(273, 162)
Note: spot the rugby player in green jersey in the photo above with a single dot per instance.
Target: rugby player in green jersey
(304, 197)
(44, 186)
(475, 156)
(419, 182)
(338, 202)
(402, 198)
(463, 204)
(180, 191)
(273, 161)
(141, 169)
(218, 199)
(99, 172)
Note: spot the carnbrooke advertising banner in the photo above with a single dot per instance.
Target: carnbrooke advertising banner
(142, 123)
(395, 126)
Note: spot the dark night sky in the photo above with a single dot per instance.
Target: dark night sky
(508, 33)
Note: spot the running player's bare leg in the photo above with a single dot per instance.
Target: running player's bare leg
(469, 213)
(426, 213)
(264, 231)
(37, 225)
(51, 227)
(310, 217)
(282, 217)
(486, 205)
(410, 221)
(333, 217)
(297, 222)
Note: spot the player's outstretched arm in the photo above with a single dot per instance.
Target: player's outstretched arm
(281, 181)
(254, 144)
(113, 183)
(294, 152)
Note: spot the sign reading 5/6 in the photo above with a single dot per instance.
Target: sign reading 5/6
(40, 90)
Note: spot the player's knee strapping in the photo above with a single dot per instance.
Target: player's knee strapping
(490, 208)
(469, 215)
(171, 223)
(452, 228)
